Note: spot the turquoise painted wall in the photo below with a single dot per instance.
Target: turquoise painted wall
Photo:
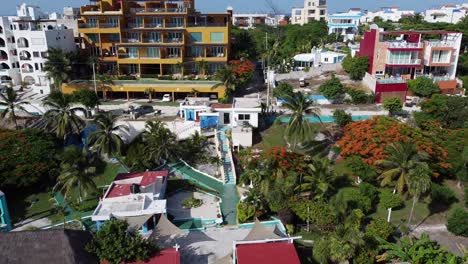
(5, 220)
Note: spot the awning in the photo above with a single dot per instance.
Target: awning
(259, 232)
(165, 228)
(135, 222)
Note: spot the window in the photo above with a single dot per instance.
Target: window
(94, 38)
(379, 73)
(114, 37)
(325, 59)
(92, 22)
(441, 56)
(217, 37)
(36, 66)
(216, 52)
(132, 52)
(322, 12)
(133, 37)
(95, 51)
(175, 36)
(195, 51)
(177, 22)
(113, 22)
(36, 54)
(196, 37)
(156, 22)
(298, 12)
(152, 52)
(244, 117)
(133, 68)
(173, 52)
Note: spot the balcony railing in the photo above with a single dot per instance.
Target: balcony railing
(440, 44)
(137, 10)
(173, 40)
(173, 56)
(215, 55)
(151, 40)
(158, 10)
(130, 40)
(404, 45)
(153, 25)
(128, 56)
(22, 45)
(203, 24)
(390, 80)
(108, 25)
(174, 25)
(150, 57)
(404, 62)
(85, 25)
(25, 58)
(135, 25)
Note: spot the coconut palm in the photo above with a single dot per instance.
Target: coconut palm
(180, 68)
(323, 143)
(77, 171)
(195, 149)
(61, 116)
(402, 158)
(58, 66)
(299, 127)
(202, 67)
(13, 103)
(106, 140)
(253, 177)
(255, 198)
(104, 80)
(319, 179)
(419, 182)
(159, 143)
(227, 77)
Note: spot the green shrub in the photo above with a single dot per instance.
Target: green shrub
(393, 104)
(360, 97)
(318, 213)
(192, 202)
(342, 118)
(165, 77)
(423, 86)
(126, 77)
(283, 90)
(443, 195)
(152, 76)
(379, 228)
(369, 190)
(361, 169)
(390, 200)
(457, 222)
(245, 212)
(466, 197)
(332, 89)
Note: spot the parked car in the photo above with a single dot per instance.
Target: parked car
(302, 82)
(167, 98)
(143, 110)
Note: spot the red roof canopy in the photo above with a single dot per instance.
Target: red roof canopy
(271, 253)
(166, 256)
(118, 190)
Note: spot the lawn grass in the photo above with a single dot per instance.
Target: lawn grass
(275, 136)
(40, 204)
(400, 216)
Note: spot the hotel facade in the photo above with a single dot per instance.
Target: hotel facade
(155, 37)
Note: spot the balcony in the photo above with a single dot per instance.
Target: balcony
(215, 55)
(404, 62)
(203, 24)
(108, 25)
(405, 45)
(441, 44)
(137, 10)
(86, 25)
(174, 25)
(173, 40)
(130, 40)
(390, 80)
(151, 40)
(153, 25)
(27, 70)
(158, 10)
(135, 25)
(128, 56)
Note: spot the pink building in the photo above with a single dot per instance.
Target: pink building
(398, 56)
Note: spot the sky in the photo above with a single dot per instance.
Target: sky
(251, 6)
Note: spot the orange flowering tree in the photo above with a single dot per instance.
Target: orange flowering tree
(282, 159)
(369, 139)
(244, 70)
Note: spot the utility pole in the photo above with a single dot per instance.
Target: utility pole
(94, 78)
(266, 71)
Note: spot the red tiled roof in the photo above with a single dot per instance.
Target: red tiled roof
(166, 256)
(118, 190)
(217, 105)
(272, 253)
(148, 176)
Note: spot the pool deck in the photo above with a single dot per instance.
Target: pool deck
(208, 210)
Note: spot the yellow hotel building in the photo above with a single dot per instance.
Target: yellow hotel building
(146, 38)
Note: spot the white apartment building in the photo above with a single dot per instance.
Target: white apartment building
(346, 23)
(311, 11)
(447, 14)
(24, 42)
(248, 21)
(393, 14)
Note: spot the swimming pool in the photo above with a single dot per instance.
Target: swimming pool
(324, 119)
(317, 97)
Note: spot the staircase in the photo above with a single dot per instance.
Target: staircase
(226, 157)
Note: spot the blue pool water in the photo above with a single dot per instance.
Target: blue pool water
(316, 97)
(325, 119)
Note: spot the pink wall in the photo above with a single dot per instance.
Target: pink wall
(367, 47)
(390, 88)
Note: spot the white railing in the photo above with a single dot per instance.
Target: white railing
(220, 155)
(436, 44)
(405, 45)
(404, 62)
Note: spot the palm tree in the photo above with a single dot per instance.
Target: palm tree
(319, 179)
(159, 143)
(419, 182)
(104, 80)
(61, 117)
(180, 68)
(77, 173)
(299, 127)
(227, 77)
(13, 103)
(149, 92)
(402, 158)
(255, 198)
(322, 145)
(194, 150)
(253, 177)
(106, 140)
(58, 66)
(202, 67)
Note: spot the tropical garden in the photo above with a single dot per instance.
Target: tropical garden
(359, 189)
